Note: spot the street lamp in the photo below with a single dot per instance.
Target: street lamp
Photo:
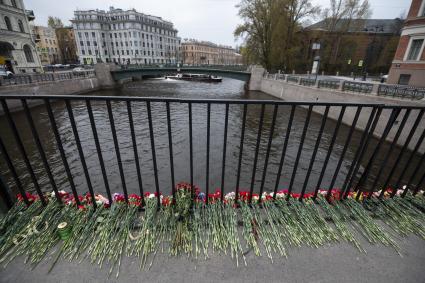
(316, 61)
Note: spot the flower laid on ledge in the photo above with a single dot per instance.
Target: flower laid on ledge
(198, 225)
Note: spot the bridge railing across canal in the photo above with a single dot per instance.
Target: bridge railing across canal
(397, 167)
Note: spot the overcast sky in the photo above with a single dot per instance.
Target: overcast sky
(212, 20)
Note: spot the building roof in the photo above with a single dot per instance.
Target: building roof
(392, 26)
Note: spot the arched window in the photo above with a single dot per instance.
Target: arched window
(28, 54)
(21, 26)
(8, 24)
(14, 4)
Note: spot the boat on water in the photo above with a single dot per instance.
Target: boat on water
(196, 77)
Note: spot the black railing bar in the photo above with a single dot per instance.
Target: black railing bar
(61, 150)
(80, 151)
(344, 150)
(170, 149)
(191, 151)
(316, 147)
(223, 166)
(419, 166)
(384, 162)
(300, 148)
(13, 171)
(21, 149)
(388, 127)
(207, 167)
(200, 101)
(238, 175)
(136, 153)
(269, 145)
(98, 150)
(366, 138)
(409, 161)
(4, 193)
(405, 146)
(329, 152)
(40, 149)
(117, 148)
(285, 146)
(155, 167)
(257, 148)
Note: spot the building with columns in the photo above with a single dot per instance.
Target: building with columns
(17, 44)
(408, 66)
(196, 52)
(124, 37)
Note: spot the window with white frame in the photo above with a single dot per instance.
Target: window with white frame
(415, 49)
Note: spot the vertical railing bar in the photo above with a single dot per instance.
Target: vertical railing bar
(344, 150)
(155, 168)
(300, 148)
(191, 151)
(61, 150)
(419, 166)
(257, 147)
(98, 149)
(388, 127)
(409, 161)
(117, 149)
(316, 147)
(13, 171)
(170, 148)
(40, 149)
(238, 175)
(366, 137)
(223, 166)
(285, 146)
(269, 145)
(405, 147)
(22, 150)
(80, 151)
(4, 193)
(388, 154)
(329, 152)
(207, 177)
(421, 181)
(136, 153)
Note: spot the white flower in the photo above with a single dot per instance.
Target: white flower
(264, 195)
(230, 196)
(151, 196)
(280, 195)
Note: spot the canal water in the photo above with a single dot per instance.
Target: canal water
(228, 89)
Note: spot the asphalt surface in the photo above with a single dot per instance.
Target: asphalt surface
(334, 263)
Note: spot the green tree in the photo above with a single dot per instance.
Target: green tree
(54, 22)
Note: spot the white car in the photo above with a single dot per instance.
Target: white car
(78, 70)
(5, 74)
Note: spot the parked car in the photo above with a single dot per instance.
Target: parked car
(78, 70)
(5, 73)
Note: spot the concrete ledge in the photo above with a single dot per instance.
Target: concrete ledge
(295, 92)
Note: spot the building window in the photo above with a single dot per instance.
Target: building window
(21, 26)
(13, 2)
(83, 52)
(415, 49)
(28, 54)
(8, 24)
(81, 43)
(404, 79)
(93, 34)
(89, 52)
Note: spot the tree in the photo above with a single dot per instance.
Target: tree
(54, 22)
(270, 28)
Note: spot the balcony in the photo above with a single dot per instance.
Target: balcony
(30, 15)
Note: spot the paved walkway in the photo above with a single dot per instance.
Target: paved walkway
(336, 263)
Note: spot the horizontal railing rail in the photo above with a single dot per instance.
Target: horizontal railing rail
(137, 144)
(332, 84)
(357, 87)
(307, 82)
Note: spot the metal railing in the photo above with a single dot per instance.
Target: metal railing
(283, 140)
(401, 91)
(332, 84)
(307, 82)
(46, 77)
(292, 79)
(357, 87)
